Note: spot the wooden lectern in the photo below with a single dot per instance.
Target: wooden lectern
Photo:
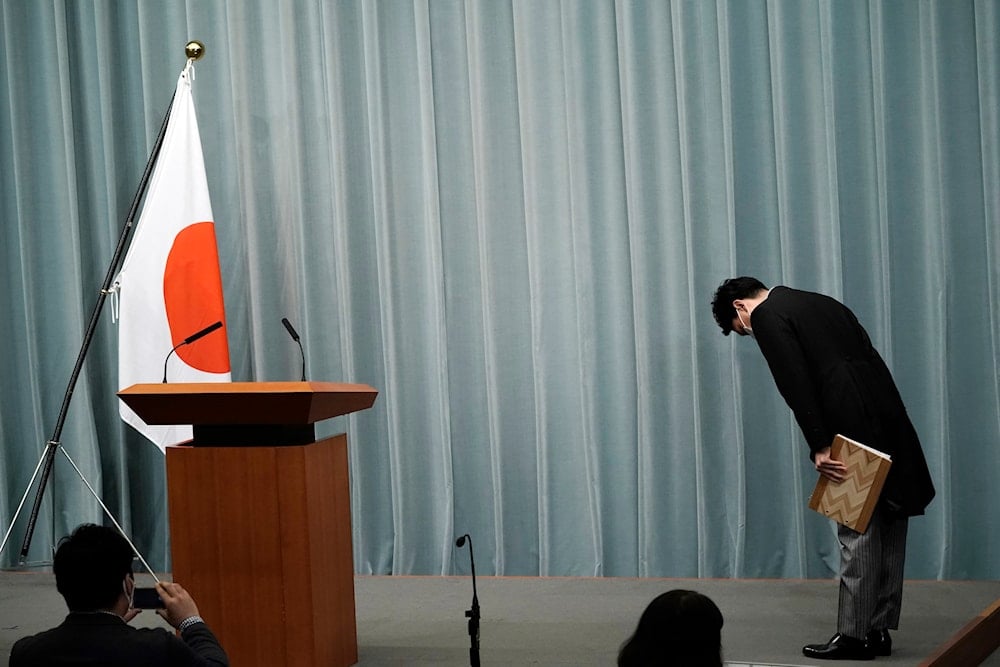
(260, 515)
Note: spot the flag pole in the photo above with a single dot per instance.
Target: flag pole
(193, 50)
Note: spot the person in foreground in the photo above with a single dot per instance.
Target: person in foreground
(679, 627)
(93, 569)
(825, 367)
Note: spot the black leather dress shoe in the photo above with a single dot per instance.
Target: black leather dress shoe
(879, 642)
(840, 647)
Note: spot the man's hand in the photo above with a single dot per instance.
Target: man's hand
(177, 602)
(830, 468)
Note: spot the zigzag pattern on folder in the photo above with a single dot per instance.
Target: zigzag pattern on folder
(845, 502)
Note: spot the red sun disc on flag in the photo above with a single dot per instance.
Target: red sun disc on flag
(192, 293)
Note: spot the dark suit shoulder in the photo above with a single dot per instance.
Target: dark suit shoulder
(781, 299)
(105, 641)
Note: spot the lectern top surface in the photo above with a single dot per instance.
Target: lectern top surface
(295, 387)
(246, 402)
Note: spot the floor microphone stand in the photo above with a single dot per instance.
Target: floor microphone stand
(473, 613)
(48, 456)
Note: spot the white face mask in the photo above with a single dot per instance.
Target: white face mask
(746, 326)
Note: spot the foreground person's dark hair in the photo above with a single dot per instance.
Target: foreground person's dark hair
(678, 627)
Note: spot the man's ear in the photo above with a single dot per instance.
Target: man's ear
(739, 304)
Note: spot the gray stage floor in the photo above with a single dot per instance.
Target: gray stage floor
(573, 621)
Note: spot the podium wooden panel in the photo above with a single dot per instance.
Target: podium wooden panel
(261, 535)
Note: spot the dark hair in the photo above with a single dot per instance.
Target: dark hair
(677, 628)
(743, 287)
(90, 566)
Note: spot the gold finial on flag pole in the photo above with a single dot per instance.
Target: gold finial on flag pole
(194, 49)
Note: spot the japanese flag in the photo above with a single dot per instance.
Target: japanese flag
(170, 286)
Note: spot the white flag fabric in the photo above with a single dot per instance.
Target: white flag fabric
(170, 285)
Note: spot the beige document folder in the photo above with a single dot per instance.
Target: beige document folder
(852, 501)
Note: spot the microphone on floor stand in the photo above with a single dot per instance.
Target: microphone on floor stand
(472, 614)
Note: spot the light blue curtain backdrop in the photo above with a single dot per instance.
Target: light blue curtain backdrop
(510, 217)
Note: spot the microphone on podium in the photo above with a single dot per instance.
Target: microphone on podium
(472, 614)
(295, 336)
(187, 341)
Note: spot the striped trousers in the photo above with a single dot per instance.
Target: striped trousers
(871, 575)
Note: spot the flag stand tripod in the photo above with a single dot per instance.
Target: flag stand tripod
(193, 50)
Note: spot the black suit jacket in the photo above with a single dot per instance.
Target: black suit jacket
(835, 382)
(105, 639)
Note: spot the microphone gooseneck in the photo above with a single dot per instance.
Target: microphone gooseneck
(295, 336)
(187, 341)
(473, 613)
